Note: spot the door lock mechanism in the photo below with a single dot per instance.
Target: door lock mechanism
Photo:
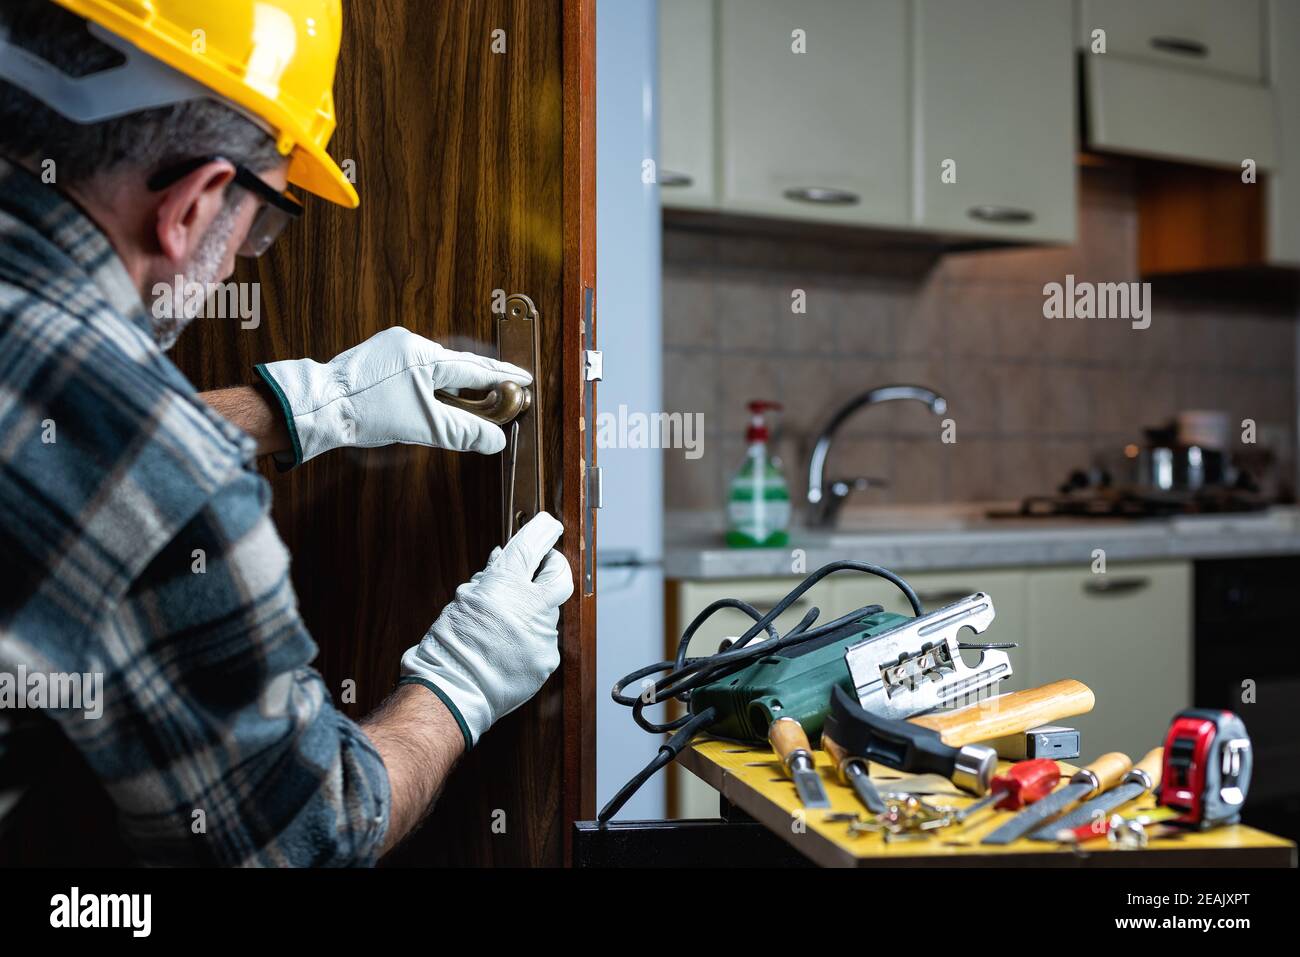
(518, 409)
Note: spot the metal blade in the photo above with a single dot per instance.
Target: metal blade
(980, 805)
(811, 792)
(1086, 812)
(867, 793)
(1036, 814)
(917, 667)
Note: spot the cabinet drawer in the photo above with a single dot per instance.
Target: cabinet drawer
(1218, 36)
(822, 134)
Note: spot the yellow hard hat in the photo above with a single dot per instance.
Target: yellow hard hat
(274, 59)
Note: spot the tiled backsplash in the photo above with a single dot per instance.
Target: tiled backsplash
(1032, 397)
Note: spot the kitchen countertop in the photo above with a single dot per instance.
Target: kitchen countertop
(940, 537)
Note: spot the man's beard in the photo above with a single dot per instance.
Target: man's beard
(203, 268)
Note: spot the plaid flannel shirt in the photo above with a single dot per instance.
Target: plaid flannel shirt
(117, 484)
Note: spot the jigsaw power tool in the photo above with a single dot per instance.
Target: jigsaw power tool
(893, 665)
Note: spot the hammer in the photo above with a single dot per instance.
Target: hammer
(905, 746)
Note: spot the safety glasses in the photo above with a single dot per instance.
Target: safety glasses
(277, 211)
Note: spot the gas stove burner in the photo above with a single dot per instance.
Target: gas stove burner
(1134, 503)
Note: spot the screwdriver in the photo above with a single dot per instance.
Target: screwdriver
(1024, 783)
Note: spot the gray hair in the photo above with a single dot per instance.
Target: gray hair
(147, 141)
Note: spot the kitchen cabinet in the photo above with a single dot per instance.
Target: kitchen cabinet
(993, 108)
(1127, 635)
(1212, 36)
(1203, 119)
(687, 121)
(812, 110)
(1179, 80)
(763, 594)
(1283, 185)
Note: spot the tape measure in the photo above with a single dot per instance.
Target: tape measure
(1206, 773)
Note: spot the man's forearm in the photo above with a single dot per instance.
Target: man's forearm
(253, 409)
(420, 743)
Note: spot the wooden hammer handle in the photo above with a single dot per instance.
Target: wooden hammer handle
(1010, 713)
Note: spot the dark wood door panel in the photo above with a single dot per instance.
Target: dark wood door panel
(459, 154)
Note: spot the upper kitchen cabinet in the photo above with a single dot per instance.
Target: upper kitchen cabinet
(994, 114)
(1216, 36)
(1179, 80)
(1283, 185)
(686, 72)
(812, 104)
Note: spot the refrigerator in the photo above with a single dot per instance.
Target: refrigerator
(630, 585)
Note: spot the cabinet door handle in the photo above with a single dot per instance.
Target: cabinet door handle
(1181, 46)
(674, 179)
(1111, 587)
(822, 196)
(1006, 215)
(937, 599)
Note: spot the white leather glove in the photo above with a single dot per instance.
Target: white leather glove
(381, 392)
(495, 645)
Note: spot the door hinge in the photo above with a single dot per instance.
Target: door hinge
(595, 487)
(595, 365)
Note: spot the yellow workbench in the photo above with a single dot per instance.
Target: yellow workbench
(751, 779)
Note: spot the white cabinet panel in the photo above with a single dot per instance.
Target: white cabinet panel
(1144, 109)
(1128, 636)
(1284, 184)
(820, 134)
(994, 113)
(686, 93)
(1220, 36)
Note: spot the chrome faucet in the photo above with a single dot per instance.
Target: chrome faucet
(825, 498)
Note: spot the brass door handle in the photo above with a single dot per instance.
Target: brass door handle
(505, 403)
(523, 474)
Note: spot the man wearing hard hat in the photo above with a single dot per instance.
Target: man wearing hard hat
(138, 142)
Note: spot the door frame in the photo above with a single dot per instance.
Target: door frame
(578, 619)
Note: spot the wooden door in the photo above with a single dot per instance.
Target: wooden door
(474, 156)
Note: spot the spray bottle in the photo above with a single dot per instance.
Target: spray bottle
(758, 502)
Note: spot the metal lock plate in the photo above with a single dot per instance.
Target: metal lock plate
(523, 478)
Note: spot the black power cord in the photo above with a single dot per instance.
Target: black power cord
(684, 675)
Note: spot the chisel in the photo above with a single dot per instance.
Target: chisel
(1023, 784)
(855, 772)
(786, 735)
(1144, 777)
(1101, 775)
